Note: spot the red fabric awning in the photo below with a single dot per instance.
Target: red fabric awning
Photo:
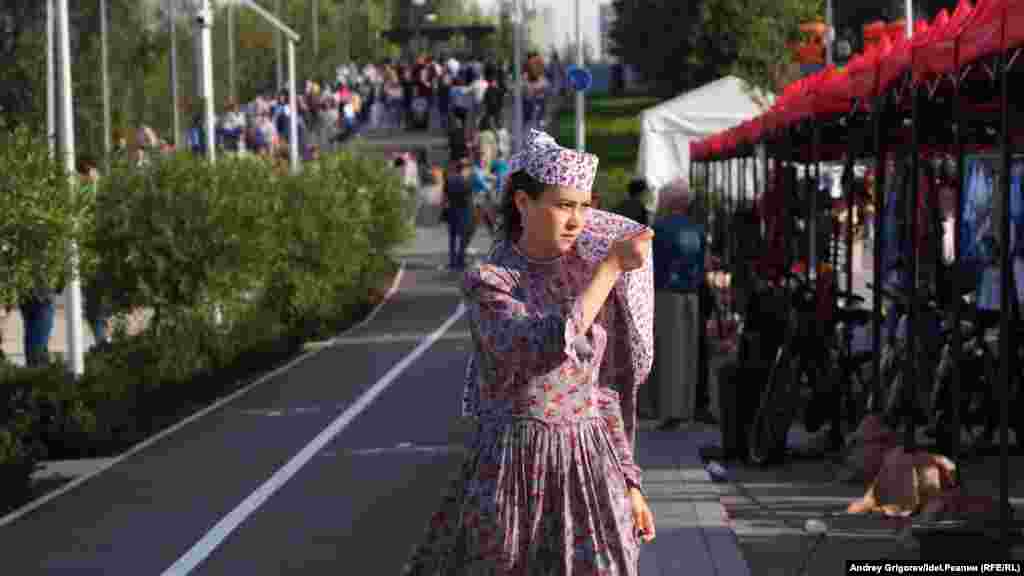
(832, 93)
(982, 35)
(938, 56)
(893, 66)
(756, 129)
(1014, 24)
(863, 69)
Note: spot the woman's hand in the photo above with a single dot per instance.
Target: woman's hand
(643, 518)
(630, 253)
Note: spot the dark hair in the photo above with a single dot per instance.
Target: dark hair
(637, 187)
(512, 227)
(85, 163)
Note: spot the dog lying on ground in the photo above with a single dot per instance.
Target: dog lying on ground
(909, 483)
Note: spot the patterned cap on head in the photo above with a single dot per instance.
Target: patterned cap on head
(542, 158)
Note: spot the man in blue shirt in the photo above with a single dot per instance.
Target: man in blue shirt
(678, 248)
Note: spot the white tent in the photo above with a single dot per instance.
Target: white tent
(667, 129)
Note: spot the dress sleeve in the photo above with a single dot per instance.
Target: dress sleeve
(612, 414)
(519, 339)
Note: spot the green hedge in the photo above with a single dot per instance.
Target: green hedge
(283, 257)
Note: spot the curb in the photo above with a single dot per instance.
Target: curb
(143, 444)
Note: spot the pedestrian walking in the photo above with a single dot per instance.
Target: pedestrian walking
(550, 486)
(458, 205)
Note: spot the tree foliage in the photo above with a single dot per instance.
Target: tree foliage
(679, 45)
(42, 213)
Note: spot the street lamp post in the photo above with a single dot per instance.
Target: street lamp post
(105, 85)
(66, 140)
(278, 47)
(517, 73)
(175, 112)
(414, 44)
(232, 69)
(204, 21)
(581, 132)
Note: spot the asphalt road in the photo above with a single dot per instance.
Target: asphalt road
(356, 506)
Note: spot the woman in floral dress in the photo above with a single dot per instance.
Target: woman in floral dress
(560, 314)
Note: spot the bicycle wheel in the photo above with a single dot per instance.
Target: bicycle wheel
(775, 412)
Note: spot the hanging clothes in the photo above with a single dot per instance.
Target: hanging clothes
(982, 220)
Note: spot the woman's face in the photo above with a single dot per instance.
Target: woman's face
(553, 221)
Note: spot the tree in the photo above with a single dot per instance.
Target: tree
(750, 38)
(22, 39)
(651, 35)
(679, 45)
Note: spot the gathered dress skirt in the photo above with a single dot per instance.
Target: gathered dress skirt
(533, 498)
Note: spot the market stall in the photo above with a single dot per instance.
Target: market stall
(908, 108)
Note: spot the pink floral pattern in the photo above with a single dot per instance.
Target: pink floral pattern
(544, 489)
(552, 164)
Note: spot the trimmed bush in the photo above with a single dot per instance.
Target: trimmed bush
(40, 214)
(283, 257)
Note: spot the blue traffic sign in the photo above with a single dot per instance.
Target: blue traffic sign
(580, 79)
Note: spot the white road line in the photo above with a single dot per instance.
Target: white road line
(397, 338)
(209, 542)
(29, 507)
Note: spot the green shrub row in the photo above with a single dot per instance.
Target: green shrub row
(238, 263)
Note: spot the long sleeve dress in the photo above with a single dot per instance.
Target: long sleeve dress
(544, 488)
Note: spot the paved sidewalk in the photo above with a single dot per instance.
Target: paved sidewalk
(768, 507)
(694, 536)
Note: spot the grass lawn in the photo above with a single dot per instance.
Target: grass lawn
(613, 133)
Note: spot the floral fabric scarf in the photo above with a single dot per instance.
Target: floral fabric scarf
(631, 336)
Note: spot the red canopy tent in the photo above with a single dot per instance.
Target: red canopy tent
(938, 56)
(983, 34)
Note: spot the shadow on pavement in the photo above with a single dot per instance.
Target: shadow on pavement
(768, 507)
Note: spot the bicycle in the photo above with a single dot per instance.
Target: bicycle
(802, 363)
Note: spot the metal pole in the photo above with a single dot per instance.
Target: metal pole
(910, 19)
(51, 81)
(881, 166)
(812, 200)
(73, 304)
(315, 15)
(581, 132)
(829, 33)
(175, 110)
(293, 115)
(204, 20)
(910, 372)
(958, 343)
(232, 70)
(1006, 292)
(910, 269)
(278, 48)
(105, 85)
(517, 73)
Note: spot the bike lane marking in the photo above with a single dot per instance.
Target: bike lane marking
(216, 535)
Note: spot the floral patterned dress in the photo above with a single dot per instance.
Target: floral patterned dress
(544, 488)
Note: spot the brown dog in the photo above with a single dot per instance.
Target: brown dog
(907, 483)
